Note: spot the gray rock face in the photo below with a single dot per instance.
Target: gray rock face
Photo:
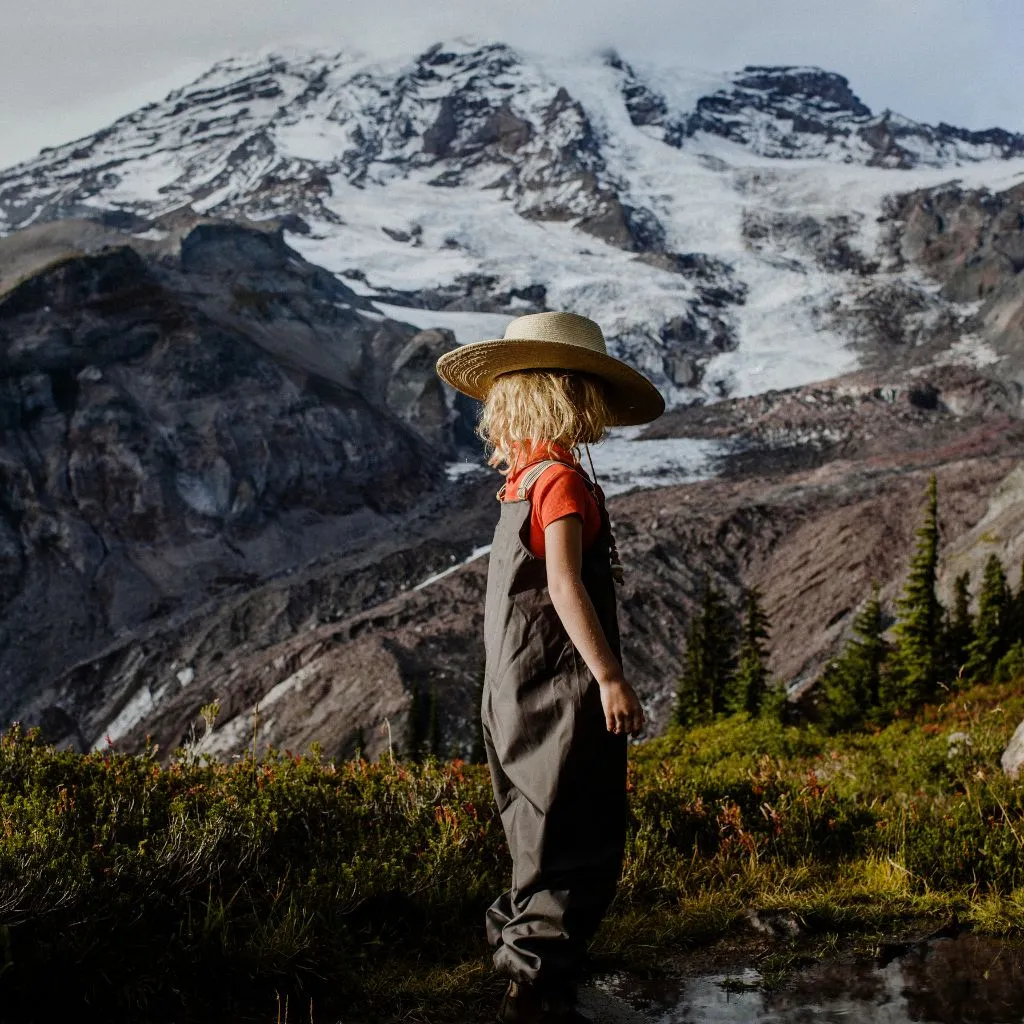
(414, 392)
(1013, 755)
(800, 100)
(473, 292)
(999, 532)
(972, 242)
(861, 415)
(827, 241)
(970, 239)
(794, 112)
(171, 427)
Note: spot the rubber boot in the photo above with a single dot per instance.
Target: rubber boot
(524, 1003)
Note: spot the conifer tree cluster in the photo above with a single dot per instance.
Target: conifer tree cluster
(424, 724)
(725, 665)
(852, 683)
(932, 649)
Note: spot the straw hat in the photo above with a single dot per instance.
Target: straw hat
(553, 341)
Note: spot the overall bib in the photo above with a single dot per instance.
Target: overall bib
(559, 775)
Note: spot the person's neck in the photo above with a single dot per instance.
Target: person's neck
(533, 451)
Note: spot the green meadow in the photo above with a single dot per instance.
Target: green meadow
(294, 888)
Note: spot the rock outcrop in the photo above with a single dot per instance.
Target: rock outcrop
(801, 112)
(182, 419)
(972, 243)
(339, 652)
(1013, 756)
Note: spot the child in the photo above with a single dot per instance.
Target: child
(556, 706)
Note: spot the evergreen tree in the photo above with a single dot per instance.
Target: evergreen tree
(710, 661)
(358, 744)
(417, 720)
(750, 684)
(690, 706)
(960, 629)
(1011, 665)
(917, 653)
(870, 650)
(852, 683)
(1017, 612)
(433, 725)
(836, 701)
(992, 626)
(776, 704)
(718, 623)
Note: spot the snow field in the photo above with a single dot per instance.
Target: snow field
(296, 117)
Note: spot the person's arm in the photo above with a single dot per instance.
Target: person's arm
(563, 547)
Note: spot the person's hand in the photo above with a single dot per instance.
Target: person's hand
(622, 711)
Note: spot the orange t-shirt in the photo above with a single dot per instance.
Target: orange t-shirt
(558, 492)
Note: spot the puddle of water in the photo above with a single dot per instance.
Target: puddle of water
(963, 980)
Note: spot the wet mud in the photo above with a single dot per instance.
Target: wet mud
(966, 979)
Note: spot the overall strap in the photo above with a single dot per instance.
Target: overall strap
(533, 472)
(532, 475)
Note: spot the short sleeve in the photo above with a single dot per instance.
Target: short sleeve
(559, 492)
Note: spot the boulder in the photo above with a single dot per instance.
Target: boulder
(415, 392)
(1013, 755)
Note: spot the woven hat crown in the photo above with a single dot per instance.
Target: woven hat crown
(564, 328)
(554, 340)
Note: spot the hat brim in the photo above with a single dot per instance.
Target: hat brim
(472, 368)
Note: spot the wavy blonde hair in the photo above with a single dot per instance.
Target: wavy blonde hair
(561, 406)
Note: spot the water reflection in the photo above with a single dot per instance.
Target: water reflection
(963, 980)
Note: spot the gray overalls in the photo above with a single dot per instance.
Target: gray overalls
(559, 775)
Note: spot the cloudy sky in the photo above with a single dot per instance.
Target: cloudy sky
(68, 67)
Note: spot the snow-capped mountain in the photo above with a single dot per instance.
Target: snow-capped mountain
(227, 466)
(475, 179)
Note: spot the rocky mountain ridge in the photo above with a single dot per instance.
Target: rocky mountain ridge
(355, 670)
(693, 215)
(226, 143)
(228, 472)
(802, 112)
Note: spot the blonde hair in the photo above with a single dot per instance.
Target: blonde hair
(567, 408)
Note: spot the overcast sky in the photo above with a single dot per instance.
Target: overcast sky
(68, 67)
